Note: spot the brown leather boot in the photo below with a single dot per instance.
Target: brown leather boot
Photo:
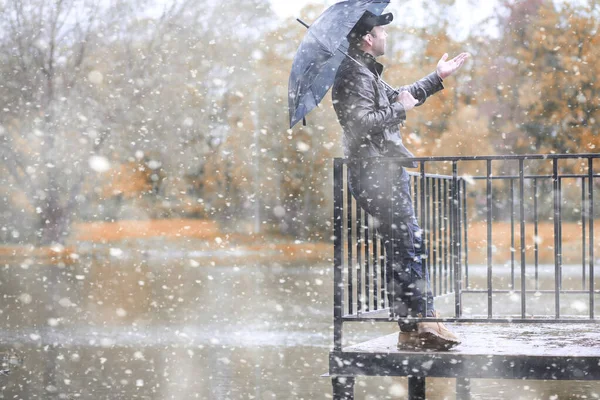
(434, 335)
(409, 341)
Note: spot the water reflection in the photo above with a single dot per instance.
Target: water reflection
(160, 325)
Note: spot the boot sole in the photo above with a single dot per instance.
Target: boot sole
(409, 347)
(431, 340)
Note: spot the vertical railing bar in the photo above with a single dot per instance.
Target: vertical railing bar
(459, 227)
(466, 232)
(338, 287)
(440, 238)
(451, 223)
(434, 235)
(536, 241)
(422, 193)
(367, 261)
(358, 226)
(427, 227)
(446, 234)
(560, 229)
(382, 266)
(583, 234)
(416, 194)
(424, 212)
(375, 269)
(392, 220)
(456, 240)
(556, 238)
(522, 207)
(489, 235)
(350, 244)
(512, 234)
(458, 263)
(591, 236)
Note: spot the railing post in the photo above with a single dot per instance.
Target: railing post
(441, 232)
(522, 210)
(560, 231)
(427, 228)
(415, 193)
(338, 284)
(536, 233)
(423, 225)
(591, 238)
(447, 225)
(423, 208)
(375, 270)
(367, 265)
(583, 234)
(434, 221)
(466, 232)
(489, 235)
(512, 233)
(350, 263)
(456, 240)
(358, 228)
(392, 257)
(557, 255)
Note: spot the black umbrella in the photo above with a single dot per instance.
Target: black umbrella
(321, 52)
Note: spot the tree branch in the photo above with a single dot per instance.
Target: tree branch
(17, 171)
(83, 44)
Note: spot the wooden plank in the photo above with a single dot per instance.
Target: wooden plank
(519, 351)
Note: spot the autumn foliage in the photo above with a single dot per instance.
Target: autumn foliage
(189, 110)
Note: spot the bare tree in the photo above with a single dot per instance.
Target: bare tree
(43, 48)
(60, 101)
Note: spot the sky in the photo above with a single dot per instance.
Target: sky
(290, 8)
(468, 12)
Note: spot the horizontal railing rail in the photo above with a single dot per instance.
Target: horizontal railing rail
(485, 223)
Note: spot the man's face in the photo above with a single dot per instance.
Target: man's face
(379, 36)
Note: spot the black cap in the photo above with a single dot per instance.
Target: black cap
(367, 22)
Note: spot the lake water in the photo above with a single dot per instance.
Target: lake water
(167, 325)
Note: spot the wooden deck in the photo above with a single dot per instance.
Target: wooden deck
(516, 351)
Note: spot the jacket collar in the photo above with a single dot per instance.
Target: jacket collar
(368, 61)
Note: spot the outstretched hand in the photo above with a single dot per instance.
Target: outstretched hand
(447, 67)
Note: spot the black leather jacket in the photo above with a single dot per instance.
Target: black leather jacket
(368, 112)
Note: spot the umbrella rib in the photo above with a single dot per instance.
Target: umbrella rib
(320, 43)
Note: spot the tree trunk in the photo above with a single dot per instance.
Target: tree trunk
(53, 225)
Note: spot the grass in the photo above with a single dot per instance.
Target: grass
(186, 235)
(205, 235)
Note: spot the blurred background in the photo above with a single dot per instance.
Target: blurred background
(144, 110)
(164, 234)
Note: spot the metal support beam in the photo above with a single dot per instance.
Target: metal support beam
(463, 389)
(343, 387)
(416, 388)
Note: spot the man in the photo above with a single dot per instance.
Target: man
(370, 114)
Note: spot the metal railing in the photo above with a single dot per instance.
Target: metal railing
(456, 196)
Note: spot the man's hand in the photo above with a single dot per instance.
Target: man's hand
(446, 68)
(407, 100)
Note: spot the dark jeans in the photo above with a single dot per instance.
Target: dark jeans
(382, 188)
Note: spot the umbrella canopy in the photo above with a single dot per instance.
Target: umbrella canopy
(321, 52)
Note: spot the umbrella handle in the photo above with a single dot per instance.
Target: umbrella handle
(388, 86)
(303, 23)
